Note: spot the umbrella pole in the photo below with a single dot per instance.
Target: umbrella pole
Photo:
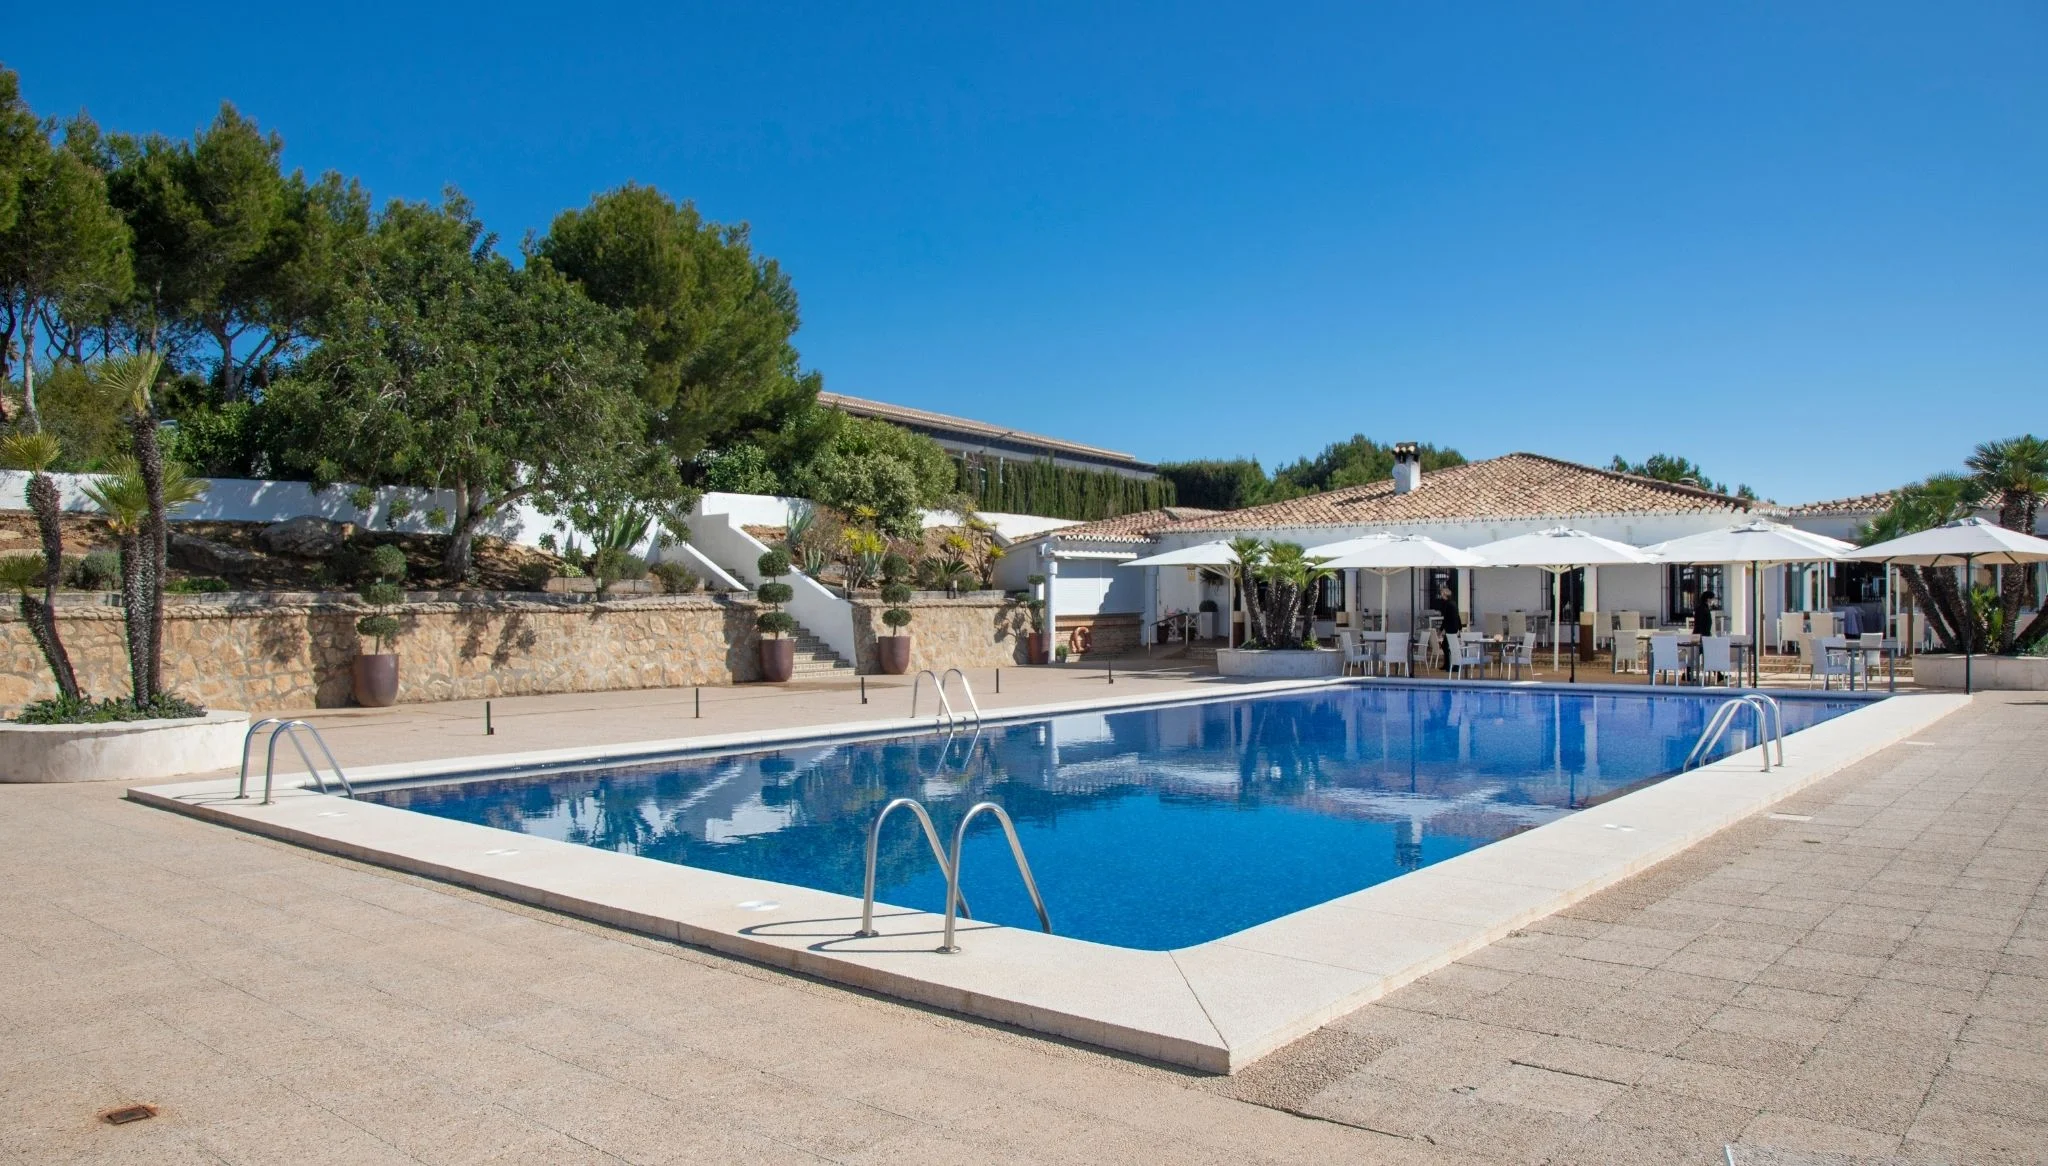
(1970, 610)
(1756, 626)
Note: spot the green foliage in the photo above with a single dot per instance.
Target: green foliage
(873, 467)
(442, 365)
(1215, 484)
(96, 571)
(1665, 467)
(381, 628)
(1055, 491)
(772, 564)
(536, 575)
(23, 573)
(86, 415)
(388, 562)
(398, 510)
(363, 498)
(84, 710)
(896, 617)
(742, 468)
(608, 565)
(34, 452)
(896, 591)
(382, 593)
(1355, 462)
(676, 579)
(894, 567)
(224, 440)
(777, 593)
(776, 623)
(198, 585)
(712, 322)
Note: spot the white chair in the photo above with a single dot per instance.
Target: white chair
(1496, 624)
(1626, 625)
(1664, 658)
(1467, 653)
(1831, 658)
(1628, 652)
(1395, 654)
(1521, 653)
(1354, 655)
(1717, 655)
(1825, 624)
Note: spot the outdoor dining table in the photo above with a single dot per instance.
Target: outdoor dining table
(1689, 649)
(1859, 654)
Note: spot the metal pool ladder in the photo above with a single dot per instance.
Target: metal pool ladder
(931, 835)
(917, 687)
(1016, 852)
(1770, 724)
(966, 690)
(289, 729)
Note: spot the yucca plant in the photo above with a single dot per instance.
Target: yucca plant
(123, 497)
(133, 378)
(36, 452)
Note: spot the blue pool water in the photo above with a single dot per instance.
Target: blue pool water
(1149, 828)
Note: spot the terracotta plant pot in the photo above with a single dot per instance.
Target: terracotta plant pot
(374, 678)
(1034, 649)
(778, 660)
(894, 653)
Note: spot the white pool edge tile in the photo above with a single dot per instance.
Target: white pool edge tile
(1214, 1007)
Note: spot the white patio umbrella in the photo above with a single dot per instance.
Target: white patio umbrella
(1385, 553)
(1962, 543)
(1558, 550)
(1760, 544)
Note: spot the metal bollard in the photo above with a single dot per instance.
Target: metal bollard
(1110, 667)
(488, 730)
(863, 690)
(999, 682)
(700, 702)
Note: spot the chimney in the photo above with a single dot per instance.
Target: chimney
(1407, 467)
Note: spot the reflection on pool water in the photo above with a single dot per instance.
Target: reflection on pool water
(1150, 828)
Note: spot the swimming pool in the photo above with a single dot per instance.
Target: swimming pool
(1152, 828)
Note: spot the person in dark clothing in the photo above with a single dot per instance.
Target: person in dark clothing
(1447, 607)
(1703, 614)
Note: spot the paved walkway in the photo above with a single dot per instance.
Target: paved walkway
(1871, 982)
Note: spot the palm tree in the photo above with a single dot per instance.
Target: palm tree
(36, 452)
(2013, 474)
(1940, 499)
(133, 378)
(123, 497)
(1249, 555)
(1293, 575)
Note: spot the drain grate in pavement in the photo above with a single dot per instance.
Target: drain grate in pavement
(128, 1113)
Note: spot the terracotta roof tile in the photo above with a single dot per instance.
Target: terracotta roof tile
(1516, 485)
(1860, 504)
(1132, 528)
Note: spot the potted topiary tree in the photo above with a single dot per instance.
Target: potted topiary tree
(894, 650)
(375, 674)
(778, 652)
(1034, 646)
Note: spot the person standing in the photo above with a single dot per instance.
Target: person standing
(1703, 613)
(1447, 608)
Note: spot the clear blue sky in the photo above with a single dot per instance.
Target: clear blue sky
(1805, 244)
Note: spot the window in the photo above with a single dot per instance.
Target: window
(1686, 583)
(1574, 596)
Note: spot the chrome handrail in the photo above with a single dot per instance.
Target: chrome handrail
(290, 729)
(242, 785)
(931, 835)
(917, 686)
(1777, 712)
(1724, 717)
(965, 687)
(1016, 851)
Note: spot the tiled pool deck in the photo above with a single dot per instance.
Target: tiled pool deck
(1877, 990)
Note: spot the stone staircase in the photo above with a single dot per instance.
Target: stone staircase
(815, 660)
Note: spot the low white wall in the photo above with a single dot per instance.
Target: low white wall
(828, 617)
(1987, 673)
(129, 751)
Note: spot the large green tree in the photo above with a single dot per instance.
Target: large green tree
(233, 256)
(873, 470)
(2013, 474)
(440, 364)
(1666, 467)
(1215, 484)
(63, 249)
(1355, 462)
(712, 319)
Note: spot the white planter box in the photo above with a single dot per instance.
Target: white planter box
(126, 750)
(2020, 673)
(1279, 665)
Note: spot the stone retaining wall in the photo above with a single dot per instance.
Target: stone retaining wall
(294, 651)
(982, 629)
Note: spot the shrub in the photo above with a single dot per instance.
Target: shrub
(776, 623)
(896, 592)
(775, 593)
(84, 710)
(388, 562)
(536, 575)
(197, 585)
(387, 567)
(97, 571)
(676, 579)
(895, 566)
(896, 617)
(612, 564)
(772, 564)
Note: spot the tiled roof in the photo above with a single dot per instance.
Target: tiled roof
(1860, 504)
(1516, 485)
(1132, 528)
(924, 419)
